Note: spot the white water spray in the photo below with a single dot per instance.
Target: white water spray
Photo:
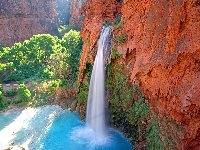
(95, 116)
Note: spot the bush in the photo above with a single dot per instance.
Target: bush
(65, 28)
(24, 93)
(73, 44)
(117, 20)
(11, 93)
(16, 101)
(121, 39)
(3, 104)
(54, 84)
(1, 88)
(1, 97)
(153, 135)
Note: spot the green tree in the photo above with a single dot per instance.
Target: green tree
(73, 44)
(24, 93)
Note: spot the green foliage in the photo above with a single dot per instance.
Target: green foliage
(66, 28)
(40, 98)
(1, 88)
(140, 111)
(121, 39)
(24, 93)
(1, 97)
(117, 21)
(54, 84)
(17, 101)
(83, 91)
(115, 54)
(11, 92)
(153, 135)
(72, 42)
(82, 94)
(125, 111)
(42, 56)
(3, 104)
(6, 70)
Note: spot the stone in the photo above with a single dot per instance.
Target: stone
(76, 7)
(162, 54)
(21, 19)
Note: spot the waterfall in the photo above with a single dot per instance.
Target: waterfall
(95, 115)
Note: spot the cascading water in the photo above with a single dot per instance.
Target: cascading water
(95, 116)
(62, 129)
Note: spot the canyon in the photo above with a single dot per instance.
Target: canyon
(19, 20)
(158, 40)
(161, 49)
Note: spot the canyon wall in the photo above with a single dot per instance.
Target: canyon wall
(161, 47)
(76, 12)
(63, 11)
(21, 19)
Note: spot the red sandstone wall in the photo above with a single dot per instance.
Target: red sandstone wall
(95, 13)
(19, 20)
(163, 37)
(76, 12)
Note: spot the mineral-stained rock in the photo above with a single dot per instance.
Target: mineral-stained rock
(76, 12)
(21, 19)
(96, 12)
(163, 37)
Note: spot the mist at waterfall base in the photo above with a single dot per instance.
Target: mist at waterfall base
(51, 128)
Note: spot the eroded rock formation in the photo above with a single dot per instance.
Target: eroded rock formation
(162, 51)
(76, 12)
(96, 13)
(21, 19)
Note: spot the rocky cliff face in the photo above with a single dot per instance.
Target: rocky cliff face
(161, 47)
(96, 13)
(19, 20)
(76, 12)
(63, 11)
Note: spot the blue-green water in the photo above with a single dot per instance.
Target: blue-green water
(51, 128)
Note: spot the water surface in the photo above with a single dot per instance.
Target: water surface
(51, 128)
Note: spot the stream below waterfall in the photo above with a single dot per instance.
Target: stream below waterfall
(52, 128)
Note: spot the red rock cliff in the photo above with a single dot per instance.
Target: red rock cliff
(163, 37)
(19, 20)
(76, 12)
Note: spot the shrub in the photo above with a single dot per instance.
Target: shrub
(16, 101)
(11, 93)
(73, 44)
(3, 104)
(24, 93)
(153, 135)
(83, 91)
(1, 97)
(126, 111)
(121, 39)
(115, 54)
(1, 88)
(117, 20)
(66, 28)
(54, 84)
